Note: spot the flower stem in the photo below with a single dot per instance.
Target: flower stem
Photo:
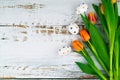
(90, 61)
(98, 58)
(112, 38)
(116, 56)
(111, 56)
(117, 61)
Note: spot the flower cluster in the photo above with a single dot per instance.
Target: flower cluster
(106, 52)
(77, 45)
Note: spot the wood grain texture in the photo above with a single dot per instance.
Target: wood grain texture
(37, 56)
(46, 12)
(31, 32)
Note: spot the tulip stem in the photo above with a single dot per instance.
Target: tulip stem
(116, 55)
(88, 58)
(90, 61)
(97, 57)
(112, 36)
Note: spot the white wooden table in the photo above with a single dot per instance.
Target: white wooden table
(31, 32)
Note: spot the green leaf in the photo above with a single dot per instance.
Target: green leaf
(92, 66)
(103, 22)
(118, 30)
(116, 56)
(85, 68)
(102, 18)
(106, 12)
(97, 41)
(86, 55)
(116, 15)
(95, 8)
(118, 21)
(119, 73)
(99, 44)
(94, 52)
(111, 15)
(85, 20)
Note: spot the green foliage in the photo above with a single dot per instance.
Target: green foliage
(116, 15)
(102, 19)
(99, 44)
(116, 56)
(97, 41)
(85, 68)
(118, 21)
(107, 55)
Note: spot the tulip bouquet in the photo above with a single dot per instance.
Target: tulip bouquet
(105, 50)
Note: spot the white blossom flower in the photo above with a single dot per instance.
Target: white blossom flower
(82, 9)
(65, 50)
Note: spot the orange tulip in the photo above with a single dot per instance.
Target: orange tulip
(77, 46)
(102, 8)
(84, 35)
(92, 17)
(113, 1)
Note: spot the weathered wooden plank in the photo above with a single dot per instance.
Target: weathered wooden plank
(35, 58)
(17, 55)
(40, 72)
(33, 12)
(36, 12)
(21, 58)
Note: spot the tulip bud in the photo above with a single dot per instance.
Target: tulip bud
(92, 17)
(102, 8)
(84, 35)
(113, 1)
(77, 46)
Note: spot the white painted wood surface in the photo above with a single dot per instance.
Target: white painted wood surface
(28, 47)
(48, 12)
